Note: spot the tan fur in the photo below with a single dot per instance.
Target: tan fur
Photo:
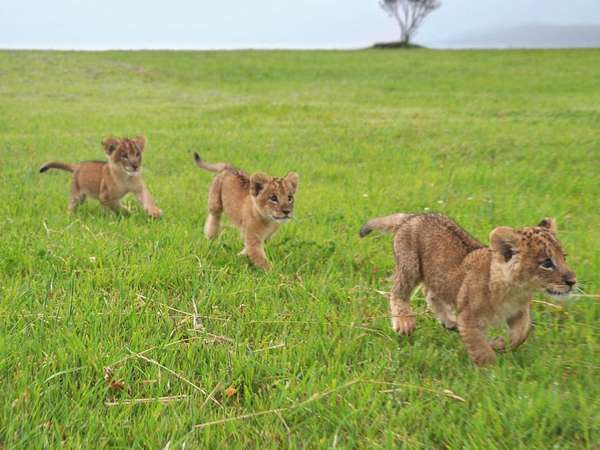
(255, 204)
(112, 180)
(469, 286)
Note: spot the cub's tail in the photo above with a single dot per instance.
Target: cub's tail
(58, 165)
(387, 224)
(217, 167)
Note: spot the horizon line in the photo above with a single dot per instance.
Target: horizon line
(430, 46)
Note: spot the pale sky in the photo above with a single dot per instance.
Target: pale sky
(201, 24)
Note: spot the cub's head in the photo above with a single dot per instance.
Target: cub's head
(125, 153)
(534, 257)
(274, 196)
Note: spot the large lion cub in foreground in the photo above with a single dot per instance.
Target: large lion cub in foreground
(257, 204)
(109, 181)
(470, 286)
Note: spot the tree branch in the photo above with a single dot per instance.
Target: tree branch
(409, 14)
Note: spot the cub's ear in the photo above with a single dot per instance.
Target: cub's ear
(505, 241)
(549, 223)
(140, 142)
(110, 145)
(292, 178)
(258, 182)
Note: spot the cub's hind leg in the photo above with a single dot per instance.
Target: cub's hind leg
(407, 277)
(77, 196)
(212, 226)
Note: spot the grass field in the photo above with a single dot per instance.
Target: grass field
(302, 356)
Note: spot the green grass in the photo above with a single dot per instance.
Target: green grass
(490, 138)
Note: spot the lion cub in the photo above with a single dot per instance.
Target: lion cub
(470, 286)
(257, 204)
(110, 181)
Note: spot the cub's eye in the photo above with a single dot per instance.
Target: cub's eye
(547, 264)
(290, 198)
(273, 198)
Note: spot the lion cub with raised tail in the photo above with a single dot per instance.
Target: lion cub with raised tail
(257, 204)
(469, 286)
(109, 181)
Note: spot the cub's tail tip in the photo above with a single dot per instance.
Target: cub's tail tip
(216, 167)
(59, 166)
(365, 229)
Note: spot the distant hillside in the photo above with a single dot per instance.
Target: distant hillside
(528, 36)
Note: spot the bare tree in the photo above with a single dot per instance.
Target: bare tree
(409, 14)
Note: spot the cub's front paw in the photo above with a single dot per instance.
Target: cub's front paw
(482, 359)
(498, 344)
(154, 212)
(266, 266)
(404, 324)
(261, 264)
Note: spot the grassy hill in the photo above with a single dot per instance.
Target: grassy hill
(131, 332)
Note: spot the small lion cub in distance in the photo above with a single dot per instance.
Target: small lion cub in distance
(256, 204)
(470, 286)
(109, 181)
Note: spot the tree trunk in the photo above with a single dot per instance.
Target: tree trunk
(404, 34)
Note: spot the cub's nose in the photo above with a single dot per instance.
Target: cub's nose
(570, 279)
(286, 211)
(134, 166)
